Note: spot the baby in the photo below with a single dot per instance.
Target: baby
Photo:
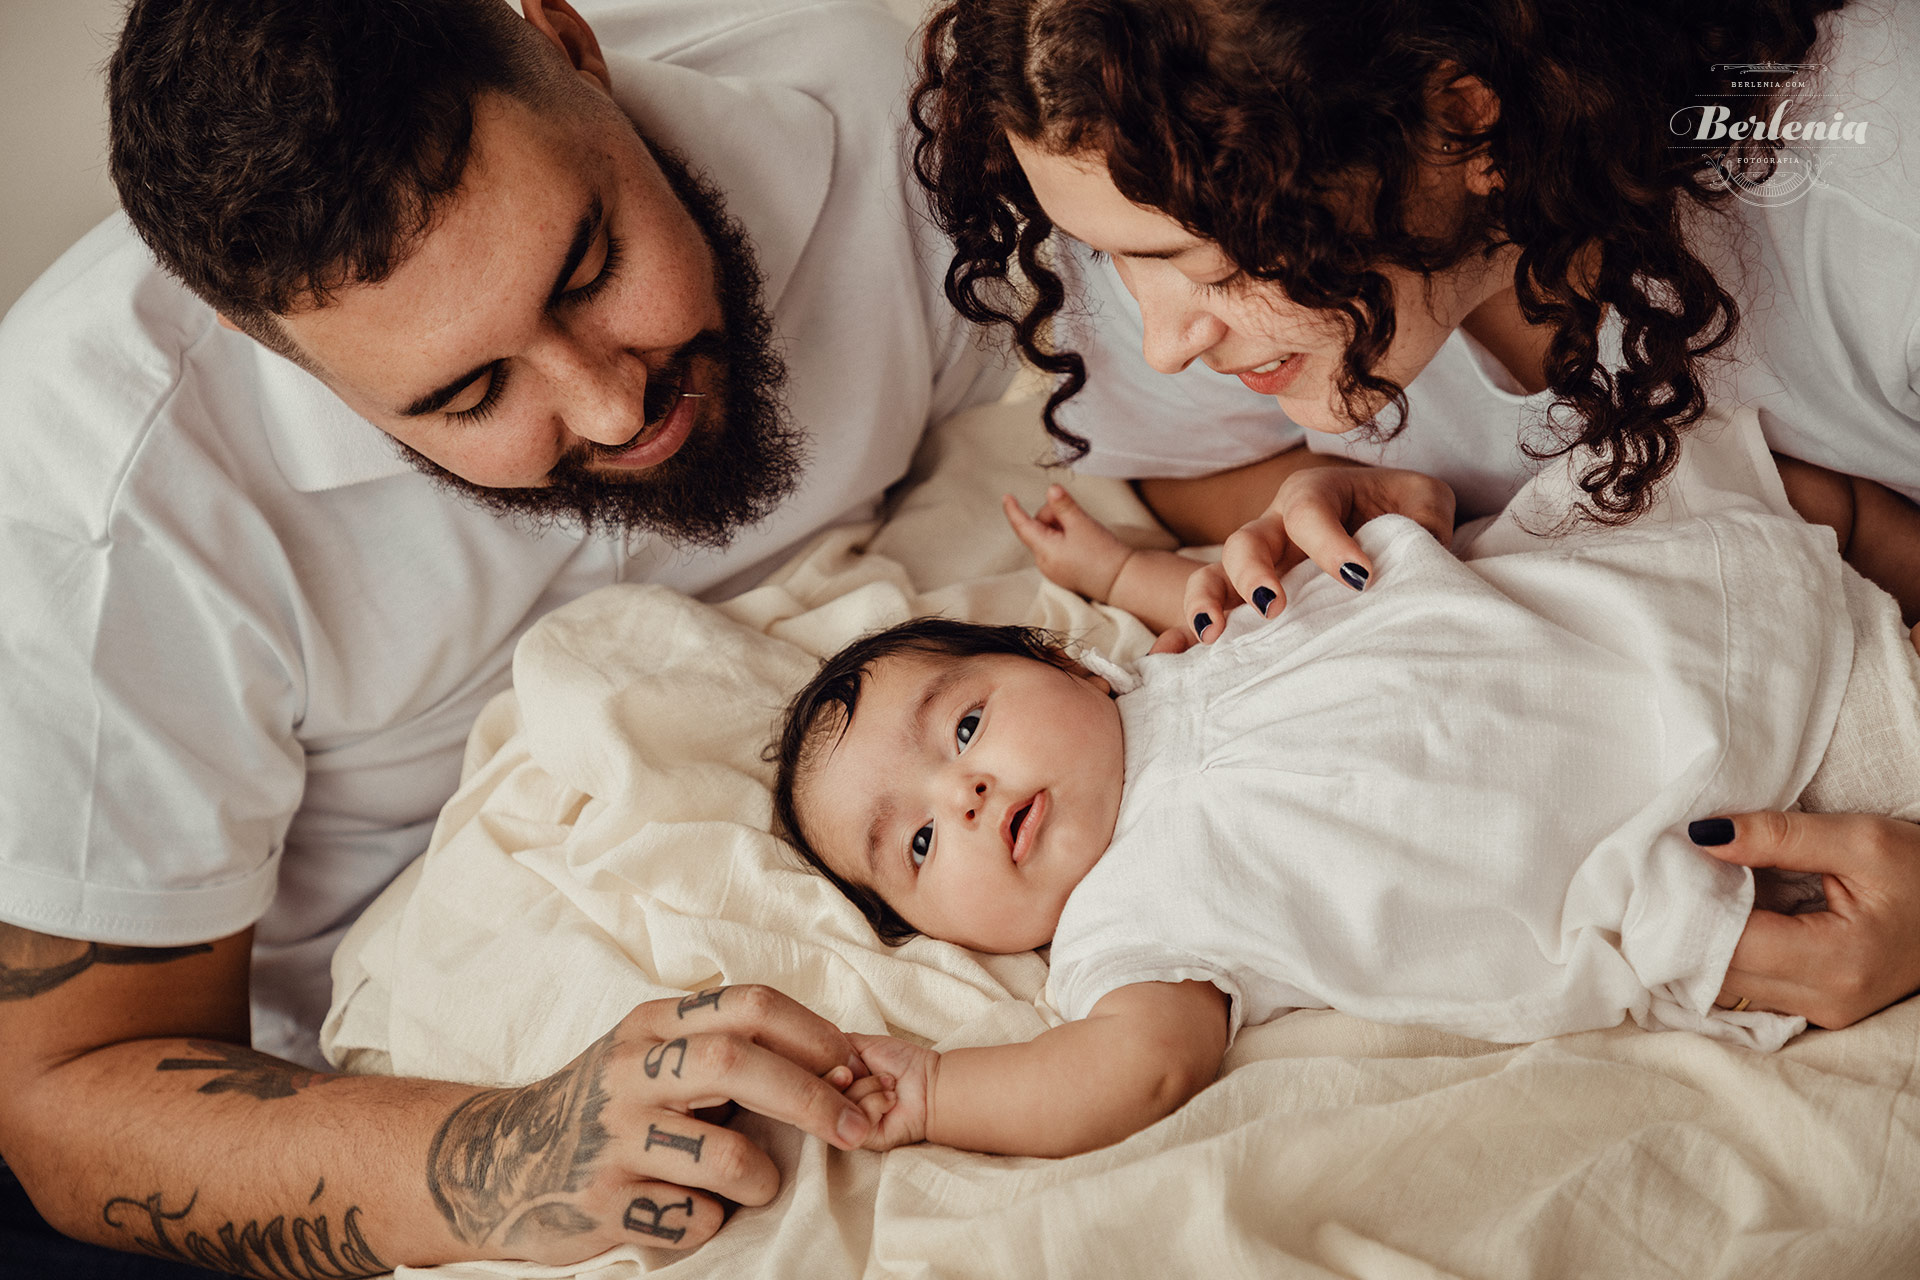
(1458, 798)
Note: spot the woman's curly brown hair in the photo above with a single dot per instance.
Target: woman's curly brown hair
(1294, 134)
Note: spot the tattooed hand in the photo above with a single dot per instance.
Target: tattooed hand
(898, 1095)
(608, 1150)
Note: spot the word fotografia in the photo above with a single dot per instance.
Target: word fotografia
(1717, 125)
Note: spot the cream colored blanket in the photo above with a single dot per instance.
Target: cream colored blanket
(609, 846)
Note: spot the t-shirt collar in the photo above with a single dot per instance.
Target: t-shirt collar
(768, 148)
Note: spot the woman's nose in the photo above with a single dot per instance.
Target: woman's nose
(1177, 331)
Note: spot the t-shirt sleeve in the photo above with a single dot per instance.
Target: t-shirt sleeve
(149, 770)
(1141, 423)
(1076, 983)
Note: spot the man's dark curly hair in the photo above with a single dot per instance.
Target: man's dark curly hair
(271, 151)
(1293, 134)
(819, 714)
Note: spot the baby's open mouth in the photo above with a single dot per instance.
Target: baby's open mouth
(1023, 826)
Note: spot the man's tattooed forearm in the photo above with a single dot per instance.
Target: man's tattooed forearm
(708, 999)
(243, 1071)
(658, 1137)
(507, 1163)
(644, 1215)
(282, 1249)
(34, 963)
(657, 1056)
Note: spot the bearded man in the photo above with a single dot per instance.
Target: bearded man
(420, 320)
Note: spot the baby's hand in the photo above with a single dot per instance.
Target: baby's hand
(1070, 547)
(1311, 517)
(896, 1095)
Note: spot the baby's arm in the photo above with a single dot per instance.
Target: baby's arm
(1879, 529)
(1142, 1052)
(1079, 553)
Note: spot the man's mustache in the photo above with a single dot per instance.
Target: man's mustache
(665, 390)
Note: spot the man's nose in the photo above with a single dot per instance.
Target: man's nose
(602, 391)
(1178, 330)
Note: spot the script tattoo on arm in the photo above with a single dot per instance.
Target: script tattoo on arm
(247, 1071)
(34, 963)
(506, 1164)
(281, 1249)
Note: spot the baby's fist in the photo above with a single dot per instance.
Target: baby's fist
(896, 1097)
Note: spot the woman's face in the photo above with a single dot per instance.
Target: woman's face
(1197, 306)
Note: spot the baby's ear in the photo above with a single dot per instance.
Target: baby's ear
(1073, 667)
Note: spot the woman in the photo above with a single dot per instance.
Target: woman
(1467, 237)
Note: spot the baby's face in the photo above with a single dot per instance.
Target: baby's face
(971, 793)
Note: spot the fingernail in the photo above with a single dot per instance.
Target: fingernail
(1262, 597)
(852, 1128)
(1201, 622)
(1711, 831)
(1354, 576)
(840, 1077)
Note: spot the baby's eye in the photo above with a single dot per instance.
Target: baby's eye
(922, 842)
(969, 725)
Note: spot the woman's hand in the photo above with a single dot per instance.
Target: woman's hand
(1862, 953)
(1071, 548)
(1312, 517)
(898, 1096)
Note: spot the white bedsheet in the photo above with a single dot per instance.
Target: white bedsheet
(609, 847)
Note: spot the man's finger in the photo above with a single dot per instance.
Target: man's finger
(661, 1215)
(707, 1068)
(677, 1149)
(776, 1021)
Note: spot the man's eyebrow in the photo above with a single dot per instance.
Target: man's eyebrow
(583, 233)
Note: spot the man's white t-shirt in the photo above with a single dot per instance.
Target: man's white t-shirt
(244, 640)
(1829, 348)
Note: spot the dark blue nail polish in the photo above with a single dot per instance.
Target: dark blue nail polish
(1709, 832)
(1201, 622)
(1354, 576)
(1262, 598)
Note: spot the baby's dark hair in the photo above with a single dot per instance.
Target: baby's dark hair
(820, 713)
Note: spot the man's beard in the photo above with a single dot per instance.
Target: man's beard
(742, 457)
